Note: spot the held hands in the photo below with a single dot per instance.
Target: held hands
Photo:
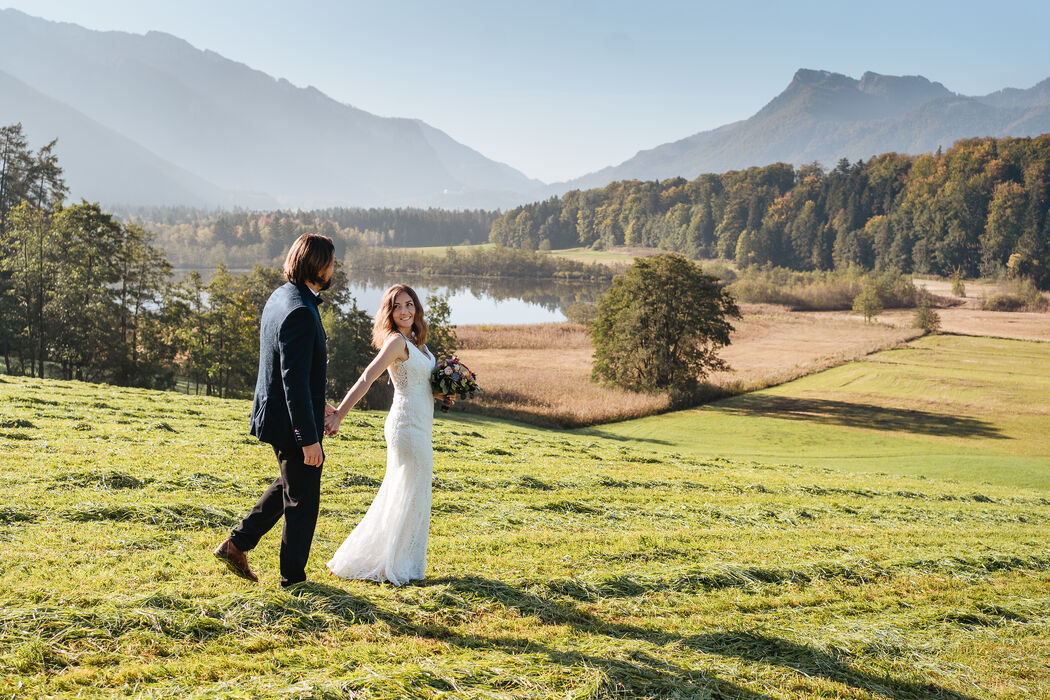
(331, 424)
(331, 420)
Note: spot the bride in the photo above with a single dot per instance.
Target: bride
(390, 542)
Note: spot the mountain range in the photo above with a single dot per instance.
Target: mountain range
(150, 119)
(824, 117)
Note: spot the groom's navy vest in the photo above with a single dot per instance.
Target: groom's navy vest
(290, 391)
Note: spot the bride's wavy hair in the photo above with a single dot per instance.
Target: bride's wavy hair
(384, 325)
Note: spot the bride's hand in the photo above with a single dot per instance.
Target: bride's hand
(331, 424)
(329, 409)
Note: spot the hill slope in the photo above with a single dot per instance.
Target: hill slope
(952, 407)
(560, 565)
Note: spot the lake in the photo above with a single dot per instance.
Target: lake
(483, 300)
(474, 300)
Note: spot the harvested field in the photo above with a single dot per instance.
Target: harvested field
(1018, 325)
(976, 290)
(541, 373)
(560, 565)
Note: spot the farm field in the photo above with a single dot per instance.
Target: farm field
(440, 249)
(561, 565)
(972, 409)
(1020, 325)
(617, 255)
(541, 373)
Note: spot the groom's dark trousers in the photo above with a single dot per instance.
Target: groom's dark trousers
(288, 413)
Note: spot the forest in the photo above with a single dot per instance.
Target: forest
(977, 209)
(240, 238)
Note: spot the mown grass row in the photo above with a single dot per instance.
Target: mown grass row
(561, 565)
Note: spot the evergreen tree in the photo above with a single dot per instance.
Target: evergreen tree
(925, 317)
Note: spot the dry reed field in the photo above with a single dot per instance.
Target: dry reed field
(541, 373)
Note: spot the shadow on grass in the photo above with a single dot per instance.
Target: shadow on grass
(596, 431)
(749, 646)
(637, 675)
(858, 415)
(636, 672)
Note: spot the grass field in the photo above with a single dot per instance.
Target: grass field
(561, 565)
(966, 408)
(618, 255)
(440, 249)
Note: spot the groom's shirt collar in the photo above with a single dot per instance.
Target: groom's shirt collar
(316, 295)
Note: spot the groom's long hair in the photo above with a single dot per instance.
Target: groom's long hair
(308, 257)
(384, 325)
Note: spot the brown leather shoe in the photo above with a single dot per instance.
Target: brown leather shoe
(236, 560)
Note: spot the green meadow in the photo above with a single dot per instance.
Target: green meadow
(963, 408)
(816, 542)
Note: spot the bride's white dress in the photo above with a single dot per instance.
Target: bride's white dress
(390, 542)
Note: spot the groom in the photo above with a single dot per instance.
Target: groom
(289, 411)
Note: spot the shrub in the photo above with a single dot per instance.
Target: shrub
(821, 290)
(925, 317)
(868, 303)
(1016, 295)
(958, 288)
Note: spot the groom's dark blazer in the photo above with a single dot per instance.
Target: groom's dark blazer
(288, 410)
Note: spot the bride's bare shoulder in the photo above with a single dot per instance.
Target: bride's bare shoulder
(397, 345)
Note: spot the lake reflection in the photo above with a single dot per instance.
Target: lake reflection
(477, 300)
(473, 300)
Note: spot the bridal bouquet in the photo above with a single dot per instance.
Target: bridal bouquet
(453, 377)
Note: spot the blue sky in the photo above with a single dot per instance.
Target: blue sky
(561, 88)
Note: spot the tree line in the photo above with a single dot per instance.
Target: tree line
(193, 237)
(980, 208)
(84, 296)
(496, 261)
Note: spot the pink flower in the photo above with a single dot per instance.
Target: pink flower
(448, 370)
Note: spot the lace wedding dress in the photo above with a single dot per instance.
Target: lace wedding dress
(390, 542)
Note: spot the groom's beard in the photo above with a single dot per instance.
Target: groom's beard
(323, 285)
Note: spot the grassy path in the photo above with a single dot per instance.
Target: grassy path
(561, 566)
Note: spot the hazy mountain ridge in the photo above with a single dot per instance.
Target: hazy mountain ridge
(133, 174)
(238, 127)
(823, 116)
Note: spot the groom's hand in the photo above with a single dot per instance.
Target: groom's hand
(313, 455)
(331, 424)
(329, 409)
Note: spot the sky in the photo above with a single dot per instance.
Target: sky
(560, 88)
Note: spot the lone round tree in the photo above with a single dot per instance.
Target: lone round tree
(660, 325)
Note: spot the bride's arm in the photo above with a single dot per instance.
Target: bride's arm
(393, 349)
